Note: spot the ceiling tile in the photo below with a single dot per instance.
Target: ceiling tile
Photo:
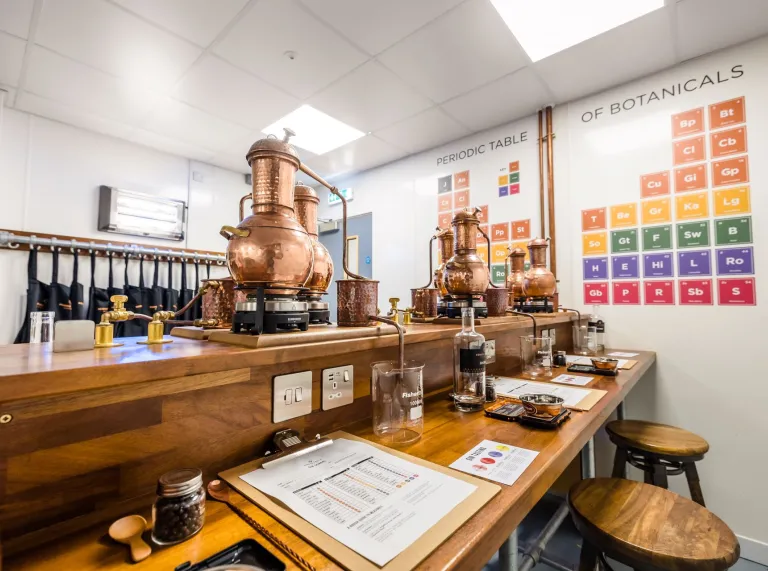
(617, 56)
(369, 98)
(85, 89)
(364, 153)
(186, 124)
(424, 131)
(110, 39)
(704, 26)
(15, 16)
(260, 39)
(171, 145)
(199, 21)
(11, 57)
(221, 89)
(54, 110)
(394, 19)
(463, 49)
(501, 101)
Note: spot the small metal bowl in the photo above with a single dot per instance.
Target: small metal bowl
(541, 405)
(605, 364)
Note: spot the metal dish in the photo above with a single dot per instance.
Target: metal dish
(541, 405)
(605, 364)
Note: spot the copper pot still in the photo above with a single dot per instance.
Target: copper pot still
(539, 281)
(445, 245)
(424, 301)
(305, 202)
(496, 299)
(270, 247)
(219, 301)
(466, 273)
(516, 275)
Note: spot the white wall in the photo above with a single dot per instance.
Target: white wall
(49, 179)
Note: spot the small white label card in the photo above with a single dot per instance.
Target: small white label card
(573, 380)
(495, 461)
(621, 354)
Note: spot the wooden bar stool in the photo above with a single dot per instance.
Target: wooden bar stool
(659, 450)
(648, 528)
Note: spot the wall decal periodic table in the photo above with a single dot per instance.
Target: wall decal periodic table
(688, 240)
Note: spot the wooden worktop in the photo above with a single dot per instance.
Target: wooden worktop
(448, 434)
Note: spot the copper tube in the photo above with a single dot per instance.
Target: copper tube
(248, 196)
(400, 334)
(308, 171)
(551, 192)
(192, 301)
(431, 277)
(141, 317)
(576, 311)
(541, 172)
(488, 241)
(513, 312)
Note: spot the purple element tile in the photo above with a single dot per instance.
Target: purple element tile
(735, 261)
(625, 266)
(595, 268)
(503, 190)
(658, 266)
(694, 263)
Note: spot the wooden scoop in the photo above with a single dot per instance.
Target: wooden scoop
(128, 530)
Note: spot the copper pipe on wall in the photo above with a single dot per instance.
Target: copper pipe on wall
(488, 241)
(551, 193)
(576, 311)
(431, 276)
(400, 333)
(541, 172)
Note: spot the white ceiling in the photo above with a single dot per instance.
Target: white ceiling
(201, 78)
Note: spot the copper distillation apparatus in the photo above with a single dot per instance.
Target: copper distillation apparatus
(465, 275)
(514, 269)
(424, 299)
(539, 285)
(495, 296)
(445, 247)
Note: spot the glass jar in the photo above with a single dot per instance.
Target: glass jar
(536, 354)
(468, 365)
(398, 401)
(41, 327)
(596, 321)
(584, 340)
(179, 509)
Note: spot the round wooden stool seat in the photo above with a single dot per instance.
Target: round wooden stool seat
(660, 439)
(647, 527)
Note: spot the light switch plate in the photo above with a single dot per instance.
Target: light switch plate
(490, 351)
(338, 386)
(291, 396)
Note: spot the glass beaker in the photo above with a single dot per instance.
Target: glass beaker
(398, 401)
(536, 354)
(584, 340)
(41, 327)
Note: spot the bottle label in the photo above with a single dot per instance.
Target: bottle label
(599, 325)
(472, 360)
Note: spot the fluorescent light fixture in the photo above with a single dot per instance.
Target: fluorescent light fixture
(315, 131)
(137, 214)
(545, 27)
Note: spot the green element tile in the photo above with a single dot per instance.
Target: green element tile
(514, 177)
(624, 241)
(527, 266)
(693, 234)
(497, 273)
(733, 231)
(657, 238)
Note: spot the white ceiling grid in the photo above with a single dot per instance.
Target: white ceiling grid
(201, 78)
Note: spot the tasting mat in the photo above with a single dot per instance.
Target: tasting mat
(315, 334)
(189, 332)
(343, 555)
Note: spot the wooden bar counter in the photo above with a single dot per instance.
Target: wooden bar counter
(89, 434)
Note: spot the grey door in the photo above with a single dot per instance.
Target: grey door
(359, 235)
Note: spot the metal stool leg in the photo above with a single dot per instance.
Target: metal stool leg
(692, 475)
(508, 553)
(620, 463)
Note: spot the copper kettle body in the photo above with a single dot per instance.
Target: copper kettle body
(466, 273)
(270, 247)
(445, 241)
(539, 281)
(516, 276)
(305, 201)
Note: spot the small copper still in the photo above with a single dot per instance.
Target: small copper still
(445, 246)
(305, 201)
(466, 274)
(219, 301)
(357, 297)
(539, 281)
(424, 300)
(495, 297)
(515, 274)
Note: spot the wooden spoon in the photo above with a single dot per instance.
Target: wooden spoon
(128, 530)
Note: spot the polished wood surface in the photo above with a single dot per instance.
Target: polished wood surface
(646, 527)
(657, 438)
(448, 434)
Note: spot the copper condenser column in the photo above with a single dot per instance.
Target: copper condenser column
(424, 299)
(515, 277)
(465, 275)
(495, 297)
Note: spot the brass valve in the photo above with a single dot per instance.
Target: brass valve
(155, 328)
(105, 330)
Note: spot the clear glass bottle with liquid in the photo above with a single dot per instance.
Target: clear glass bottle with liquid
(596, 321)
(468, 365)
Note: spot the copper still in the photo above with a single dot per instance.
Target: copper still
(538, 280)
(514, 266)
(495, 297)
(445, 245)
(424, 299)
(270, 248)
(305, 201)
(465, 273)
(219, 301)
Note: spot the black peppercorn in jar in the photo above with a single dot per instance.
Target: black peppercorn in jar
(179, 510)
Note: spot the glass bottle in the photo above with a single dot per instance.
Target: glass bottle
(596, 321)
(468, 365)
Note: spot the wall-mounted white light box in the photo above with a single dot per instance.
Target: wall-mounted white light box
(138, 214)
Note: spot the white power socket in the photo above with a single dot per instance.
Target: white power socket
(338, 387)
(490, 351)
(291, 396)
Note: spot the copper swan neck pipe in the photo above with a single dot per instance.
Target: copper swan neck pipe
(248, 196)
(488, 241)
(401, 337)
(431, 277)
(551, 192)
(520, 313)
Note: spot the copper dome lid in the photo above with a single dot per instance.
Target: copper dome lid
(271, 146)
(303, 192)
(468, 215)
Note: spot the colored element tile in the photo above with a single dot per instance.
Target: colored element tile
(596, 293)
(593, 219)
(732, 201)
(659, 292)
(626, 293)
(514, 189)
(514, 177)
(444, 184)
(689, 178)
(444, 202)
(521, 229)
(725, 113)
(691, 150)
(624, 215)
(728, 142)
(694, 263)
(654, 184)
(503, 180)
(460, 199)
(624, 241)
(732, 261)
(623, 267)
(482, 215)
(695, 292)
(485, 228)
(688, 123)
(461, 180)
(730, 171)
(503, 191)
(444, 220)
(514, 166)
(692, 205)
(500, 232)
(657, 210)
(595, 268)
(498, 274)
(523, 245)
(693, 234)
(657, 238)
(733, 231)
(594, 243)
(658, 266)
(498, 253)
(736, 291)
(482, 251)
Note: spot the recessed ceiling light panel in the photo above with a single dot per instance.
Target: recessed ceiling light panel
(545, 27)
(315, 131)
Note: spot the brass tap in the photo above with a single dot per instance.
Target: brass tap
(155, 328)
(105, 330)
(408, 312)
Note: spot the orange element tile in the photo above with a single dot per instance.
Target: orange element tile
(654, 184)
(444, 202)
(461, 180)
(730, 171)
(732, 201)
(594, 243)
(461, 199)
(500, 232)
(444, 220)
(484, 228)
(690, 178)
(688, 123)
(482, 216)
(655, 211)
(498, 253)
(482, 251)
(593, 219)
(728, 142)
(514, 166)
(521, 229)
(691, 206)
(689, 150)
(623, 215)
(725, 113)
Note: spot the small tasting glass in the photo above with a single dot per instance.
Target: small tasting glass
(41, 327)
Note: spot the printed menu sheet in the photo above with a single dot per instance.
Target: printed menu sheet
(514, 388)
(373, 502)
(496, 461)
